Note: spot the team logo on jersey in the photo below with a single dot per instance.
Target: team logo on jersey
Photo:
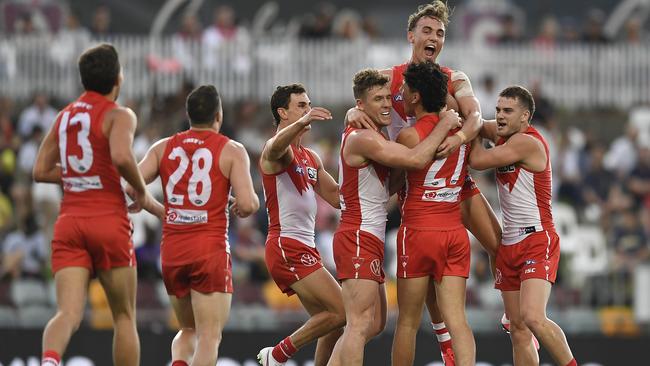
(375, 267)
(499, 277)
(308, 260)
(398, 97)
(312, 173)
(299, 170)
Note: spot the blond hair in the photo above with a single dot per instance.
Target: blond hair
(437, 9)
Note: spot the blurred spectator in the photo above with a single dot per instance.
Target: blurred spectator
(622, 154)
(634, 32)
(27, 153)
(25, 251)
(370, 27)
(597, 183)
(510, 32)
(347, 25)
(249, 250)
(570, 30)
(640, 119)
(70, 41)
(24, 24)
(548, 33)
(487, 95)
(101, 23)
(630, 243)
(188, 35)
(318, 24)
(40, 113)
(224, 29)
(148, 254)
(639, 181)
(594, 27)
(247, 115)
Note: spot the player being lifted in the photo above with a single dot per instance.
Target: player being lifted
(292, 176)
(365, 160)
(197, 169)
(87, 150)
(426, 33)
(528, 258)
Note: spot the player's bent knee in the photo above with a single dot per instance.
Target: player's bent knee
(533, 321)
(72, 318)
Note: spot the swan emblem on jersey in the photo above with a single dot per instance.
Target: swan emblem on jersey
(508, 175)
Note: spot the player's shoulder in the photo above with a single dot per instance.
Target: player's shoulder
(234, 148)
(526, 140)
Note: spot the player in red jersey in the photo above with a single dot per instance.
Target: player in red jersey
(365, 160)
(432, 244)
(197, 169)
(87, 150)
(292, 176)
(529, 254)
(426, 34)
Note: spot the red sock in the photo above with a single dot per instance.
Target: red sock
(179, 363)
(50, 358)
(572, 363)
(442, 334)
(284, 350)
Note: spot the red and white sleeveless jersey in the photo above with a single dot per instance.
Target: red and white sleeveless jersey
(195, 190)
(91, 183)
(291, 200)
(525, 197)
(399, 119)
(364, 195)
(433, 193)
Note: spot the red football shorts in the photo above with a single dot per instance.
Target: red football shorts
(289, 260)
(358, 255)
(93, 242)
(537, 256)
(205, 275)
(470, 189)
(432, 253)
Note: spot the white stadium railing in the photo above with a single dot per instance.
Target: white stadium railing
(573, 76)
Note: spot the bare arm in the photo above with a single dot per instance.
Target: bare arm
(489, 130)
(326, 185)
(150, 164)
(235, 165)
(470, 110)
(120, 139)
(519, 148)
(373, 146)
(46, 167)
(277, 147)
(396, 181)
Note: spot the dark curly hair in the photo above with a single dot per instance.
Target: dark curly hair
(430, 82)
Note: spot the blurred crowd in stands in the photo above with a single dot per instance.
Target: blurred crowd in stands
(601, 182)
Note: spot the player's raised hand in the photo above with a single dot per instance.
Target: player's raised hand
(316, 114)
(450, 119)
(358, 119)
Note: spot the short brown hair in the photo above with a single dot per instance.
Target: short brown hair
(365, 80)
(437, 9)
(203, 105)
(523, 97)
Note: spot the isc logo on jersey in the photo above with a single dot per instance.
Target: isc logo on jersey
(442, 195)
(506, 169)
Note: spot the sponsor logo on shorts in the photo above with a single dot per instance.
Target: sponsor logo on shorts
(375, 267)
(308, 260)
(498, 277)
(178, 216)
(442, 195)
(312, 173)
(529, 270)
